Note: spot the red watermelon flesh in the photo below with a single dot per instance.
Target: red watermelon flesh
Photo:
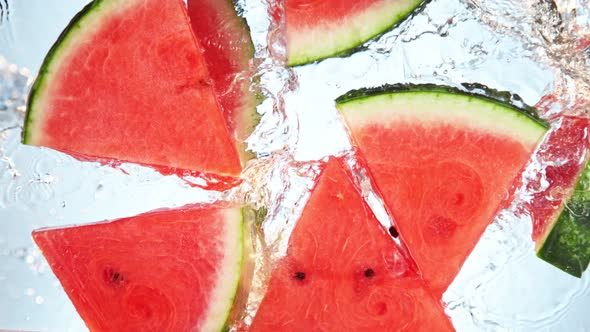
(445, 164)
(127, 81)
(228, 50)
(168, 270)
(343, 272)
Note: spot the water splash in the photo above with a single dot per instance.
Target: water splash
(497, 43)
(522, 47)
(555, 35)
(14, 85)
(276, 183)
(554, 39)
(278, 127)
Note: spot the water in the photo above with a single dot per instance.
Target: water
(531, 48)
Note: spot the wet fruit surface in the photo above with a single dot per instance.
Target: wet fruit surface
(160, 271)
(343, 272)
(443, 175)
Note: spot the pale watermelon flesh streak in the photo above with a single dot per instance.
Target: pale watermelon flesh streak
(130, 83)
(169, 270)
(343, 272)
(228, 50)
(317, 29)
(444, 164)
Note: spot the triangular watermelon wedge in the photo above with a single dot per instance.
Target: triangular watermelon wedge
(561, 210)
(127, 81)
(343, 272)
(228, 51)
(444, 161)
(168, 270)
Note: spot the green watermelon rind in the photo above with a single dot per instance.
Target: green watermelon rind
(219, 320)
(566, 243)
(249, 121)
(384, 23)
(501, 116)
(250, 117)
(474, 90)
(60, 45)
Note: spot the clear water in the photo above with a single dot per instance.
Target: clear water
(527, 47)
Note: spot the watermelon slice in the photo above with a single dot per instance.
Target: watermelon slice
(343, 272)
(444, 161)
(228, 51)
(127, 81)
(562, 232)
(168, 270)
(320, 29)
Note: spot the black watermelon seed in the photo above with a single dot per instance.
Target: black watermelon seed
(299, 275)
(393, 232)
(117, 277)
(113, 277)
(369, 273)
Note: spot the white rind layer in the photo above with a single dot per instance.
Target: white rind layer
(228, 276)
(307, 44)
(434, 108)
